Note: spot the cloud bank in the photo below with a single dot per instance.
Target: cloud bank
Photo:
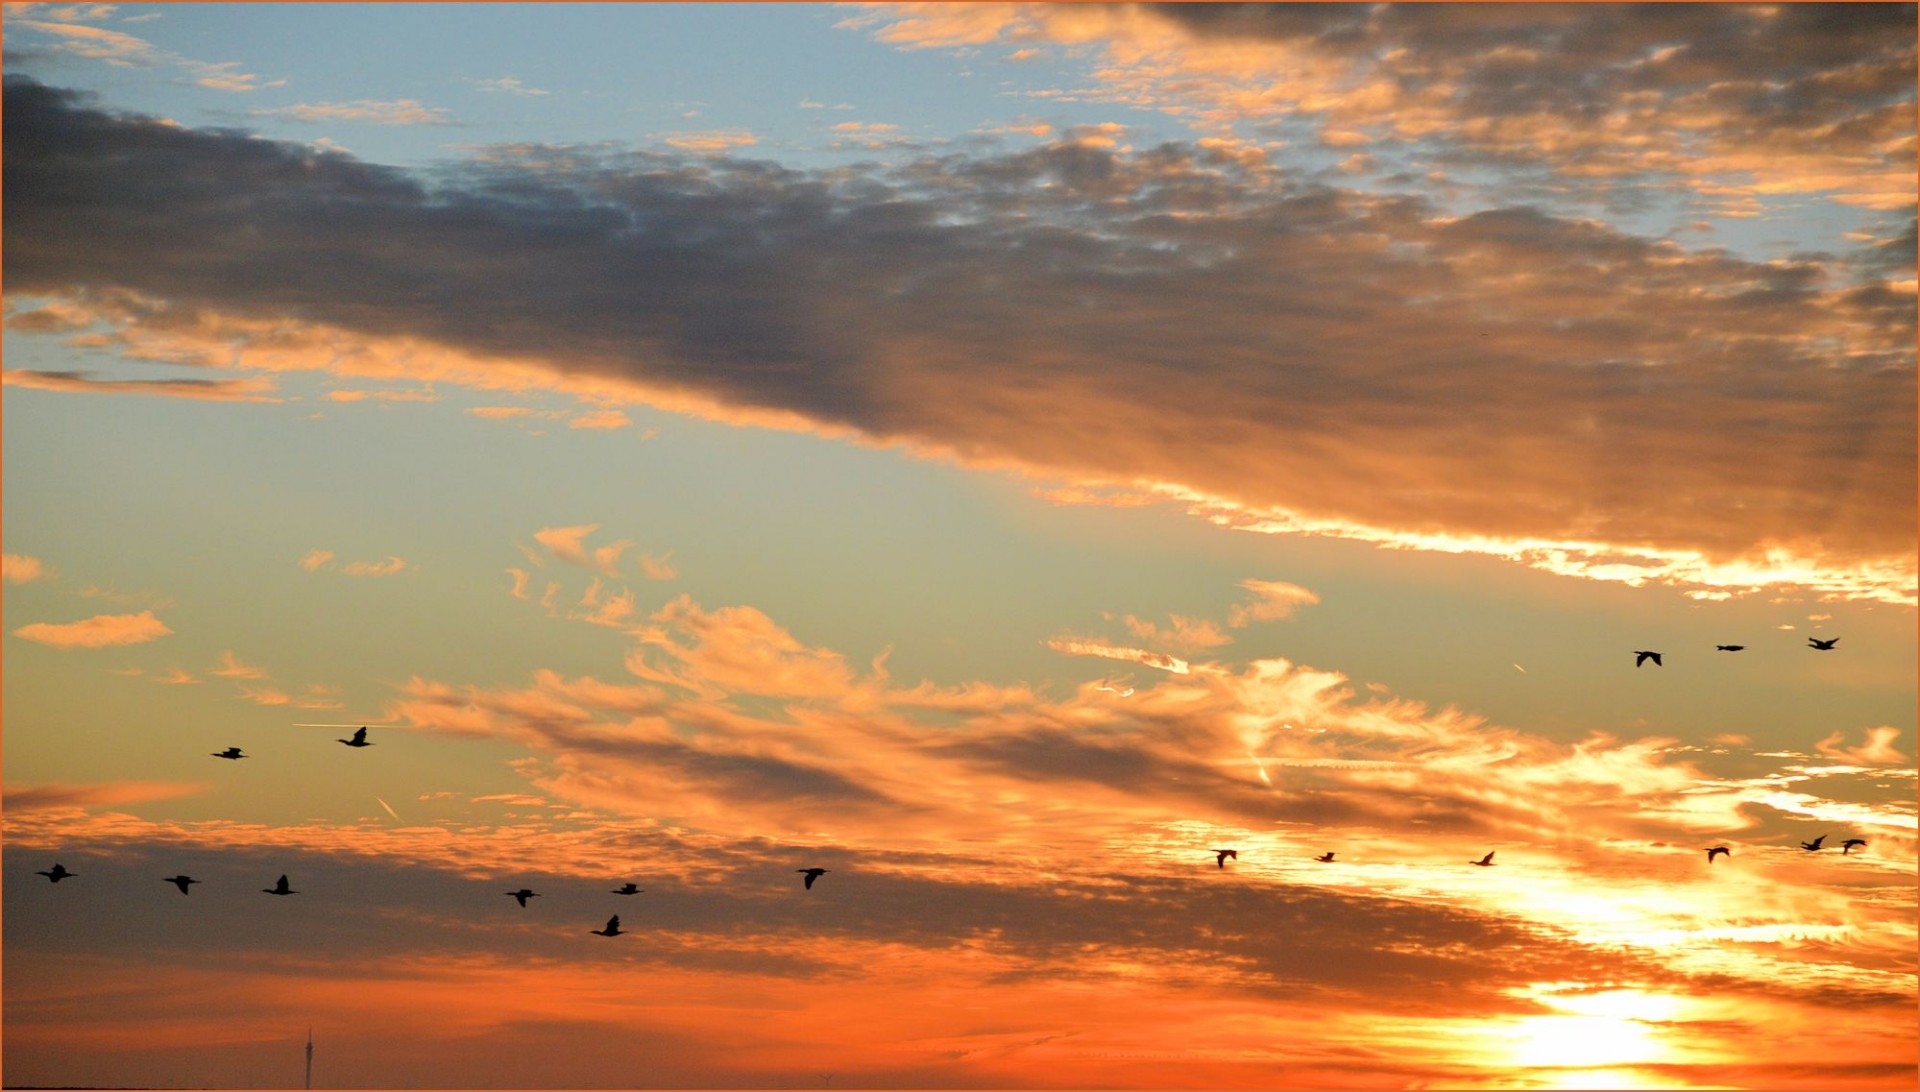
(1186, 318)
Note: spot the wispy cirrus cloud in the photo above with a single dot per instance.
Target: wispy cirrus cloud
(99, 631)
(206, 390)
(362, 111)
(72, 29)
(52, 796)
(1779, 471)
(510, 85)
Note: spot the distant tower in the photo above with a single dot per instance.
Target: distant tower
(309, 1057)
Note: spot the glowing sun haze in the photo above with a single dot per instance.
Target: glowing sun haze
(1001, 455)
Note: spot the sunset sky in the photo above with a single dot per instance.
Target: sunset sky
(998, 454)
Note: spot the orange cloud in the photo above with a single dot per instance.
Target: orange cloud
(1068, 373)
(1181, 633)
(658, 568)
(23, 569)
(368, 111)
(604, 419)
(232, 668)
(316, 559)
(389, 567)
(710, 142)
(1877, 751)
(55, 796)
(1077, 647)
(100, 631)
(209, 390)
(1273, 599)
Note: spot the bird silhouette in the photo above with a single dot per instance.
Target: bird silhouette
(1813, 845)
(1325, 858)
(1220, 856)
(57, 873)
(1485, 862)
(359, 739)
(1846, 847)
(523, 895)
(1641, 656)
(612, 929)
(280, 888)
(231, 752)
(627, 889)
(1824, 646)
(1729, 648)
(1722, 851)
(180, 882)
(812, 874)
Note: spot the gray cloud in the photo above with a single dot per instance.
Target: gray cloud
(1178, 314)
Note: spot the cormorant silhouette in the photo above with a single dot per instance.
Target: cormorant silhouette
(1813, 845)
(1729, 648)
(1722, 851)
(1485, 862)
(627, 889)
(1641, 656)
(57, 873)
(231, 752)
(612, 929)
(359, 739)
(812, 874)
(1846, 847)
(1220, 856)
(1325, 858)
(280, 888)
(1824, 646)
(523, 895)
(181, 882)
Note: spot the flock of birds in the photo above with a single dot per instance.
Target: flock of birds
(359, 739)
(1641, 655)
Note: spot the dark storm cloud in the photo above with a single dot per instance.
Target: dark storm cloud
(1183, 314)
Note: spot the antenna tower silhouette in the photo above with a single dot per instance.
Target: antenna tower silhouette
(309, 1057)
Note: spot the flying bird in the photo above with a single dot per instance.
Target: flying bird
(1846, 847)
(812, 874)
(1813, 845)
(180, 882)
(612, 929)
(1220, 856)
(1729, 648)
(1640, 657)
(1325, 858)
(231, 752)
(626, 889)
(359, 739)
(1485, 862)
(523, 895)
(1824, 646)
(1722, 851)
(280, 888)
(57, 873)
